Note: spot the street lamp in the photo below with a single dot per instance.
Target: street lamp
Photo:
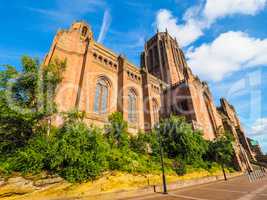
(162, 161)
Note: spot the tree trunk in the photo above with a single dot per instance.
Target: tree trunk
(224, 174)
(49, 126)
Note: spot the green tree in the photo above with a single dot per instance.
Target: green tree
(180, 141)
(51, 76)
(6, 75)
(116, 131)
(17, 100)
(22, 99)
(78, 152)
(145, 143)
(221, 150)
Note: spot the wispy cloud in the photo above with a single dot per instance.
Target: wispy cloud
(66, 11)
(105, 26)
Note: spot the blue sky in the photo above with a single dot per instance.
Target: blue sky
(225, 41)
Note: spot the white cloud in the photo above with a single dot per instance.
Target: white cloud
(219, 8)
(259, 128)
(229, 52)
(200, 17)
(105, 26)
(184, 33)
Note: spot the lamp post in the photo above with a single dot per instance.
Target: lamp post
(162, 161)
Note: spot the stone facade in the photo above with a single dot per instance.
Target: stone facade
(100, 82)
(232, 125)
(184, 93)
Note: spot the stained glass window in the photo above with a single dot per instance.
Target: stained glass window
(155, 111)
(132, 101)
(101, 97)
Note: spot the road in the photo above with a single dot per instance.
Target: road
(234, 189)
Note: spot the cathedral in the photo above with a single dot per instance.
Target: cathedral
(100, 82)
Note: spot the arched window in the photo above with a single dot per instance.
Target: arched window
(84, 31)
(132, 105)
(155, 109)
(101, 97)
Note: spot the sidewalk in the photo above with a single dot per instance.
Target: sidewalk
(149, 190)
(238, 188)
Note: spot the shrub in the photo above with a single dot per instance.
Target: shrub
(180, 141)
(145, 143)
(221, 149)
(33, 157)
(179, 167)
(124, 161)
(116, 131)
(79, 152)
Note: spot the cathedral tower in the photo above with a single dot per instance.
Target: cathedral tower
(185, 94)
(163, 58)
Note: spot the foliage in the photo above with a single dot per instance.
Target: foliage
(221, 149)
(22, 101)
(73, 116)
(180, 141)
(179, 167)
(24, 88)
(116, 131)
(33, 158)
(16, 123)
(145, 143)
(6, 75)
(51, 77)
(74, 151)
(79, 152)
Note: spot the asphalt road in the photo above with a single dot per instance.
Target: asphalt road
(234, 189)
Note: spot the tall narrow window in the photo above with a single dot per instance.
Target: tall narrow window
(156, 55)
(155, 111)
(184, 105)
(162, 53)
(151, 61)
(84, 31)
(132, 101)
(101, 97)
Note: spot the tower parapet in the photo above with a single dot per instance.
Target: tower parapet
(84, 29)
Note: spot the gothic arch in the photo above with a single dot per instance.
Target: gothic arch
(104, 77)
(132, 105)
(102, 94)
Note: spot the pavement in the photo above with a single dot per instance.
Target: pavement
(240, 188)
